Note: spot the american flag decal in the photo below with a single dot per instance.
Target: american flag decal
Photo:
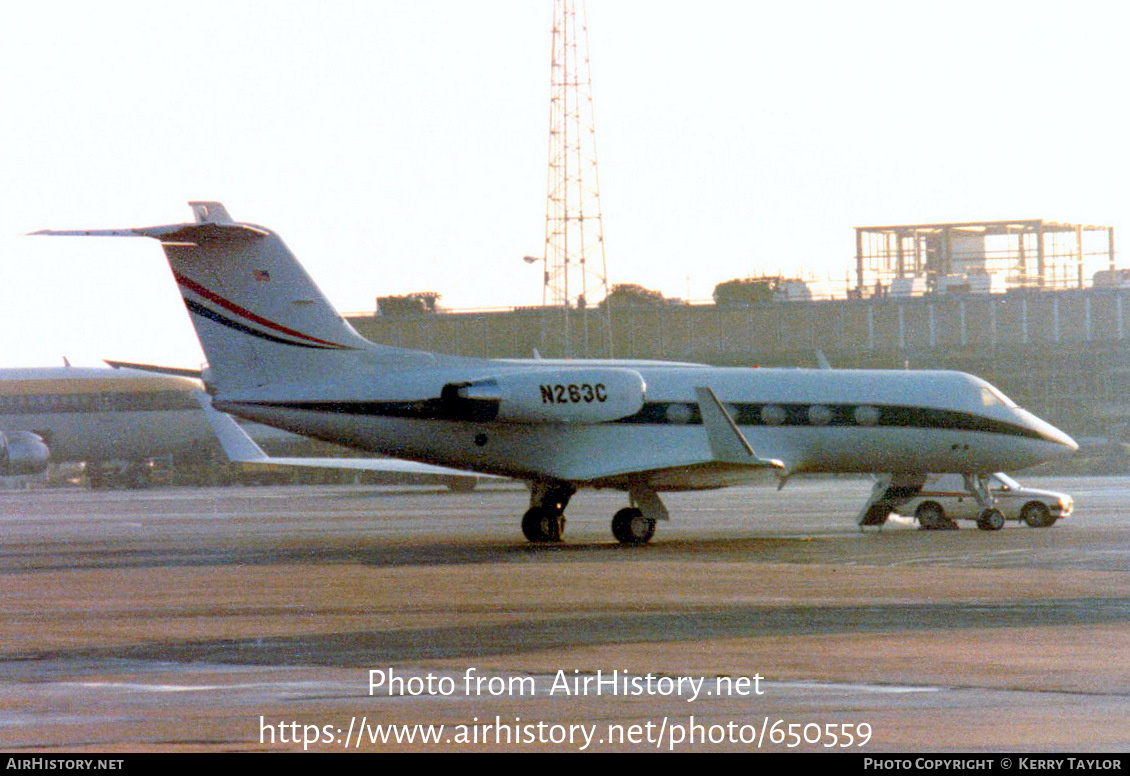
(261, 275)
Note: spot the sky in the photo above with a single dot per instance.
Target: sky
(403, 146)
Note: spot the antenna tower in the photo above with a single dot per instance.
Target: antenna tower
(575, 271)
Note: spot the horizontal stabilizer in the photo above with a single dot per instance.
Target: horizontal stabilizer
(241, 448)
(176, 371)
(211, 219)
(727, 443)
(172, 234)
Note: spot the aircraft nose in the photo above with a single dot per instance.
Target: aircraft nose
(1047, 431)
(1063, 439)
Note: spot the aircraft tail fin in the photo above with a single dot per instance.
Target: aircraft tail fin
(259, 316)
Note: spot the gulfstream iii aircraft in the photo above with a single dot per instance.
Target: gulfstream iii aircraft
(280, 354)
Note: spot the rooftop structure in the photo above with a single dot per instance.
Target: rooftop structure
(998, 254)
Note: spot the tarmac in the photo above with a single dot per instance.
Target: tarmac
(365, 618)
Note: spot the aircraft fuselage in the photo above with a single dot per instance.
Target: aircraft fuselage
(812, 420)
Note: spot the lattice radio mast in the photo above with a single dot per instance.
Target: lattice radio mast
(575, 271)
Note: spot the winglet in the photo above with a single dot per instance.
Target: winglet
(727, 443)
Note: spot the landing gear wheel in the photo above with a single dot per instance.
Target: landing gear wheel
(990, 520)
(543, 525)
(1036, 515)
(629, 526)
(931, 517)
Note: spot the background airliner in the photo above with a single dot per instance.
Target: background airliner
(280, 354)
(113, 420)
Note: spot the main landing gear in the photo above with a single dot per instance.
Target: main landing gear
(630, 526)
(544, 521)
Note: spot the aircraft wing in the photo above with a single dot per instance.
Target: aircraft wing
(729, 460)
(241, 448)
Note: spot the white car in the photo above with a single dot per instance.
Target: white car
(943, 499)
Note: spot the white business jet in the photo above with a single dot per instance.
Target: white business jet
(280, 354)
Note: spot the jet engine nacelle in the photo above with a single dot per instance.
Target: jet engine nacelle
(22, 452)
(573, 395)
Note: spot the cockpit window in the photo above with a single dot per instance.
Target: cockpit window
(991, 397)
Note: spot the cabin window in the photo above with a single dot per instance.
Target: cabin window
(819, 415)
(678, 414)
(773, 415)
(866, 416)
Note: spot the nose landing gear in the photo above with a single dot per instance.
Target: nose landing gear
(990, 520)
